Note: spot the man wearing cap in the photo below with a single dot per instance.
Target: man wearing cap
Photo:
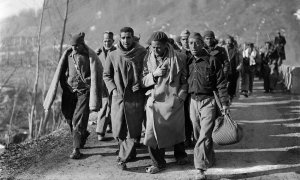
(188, 124)
(269, 57)
(80, 74)
(235, 59)
(122, 76)
(210, 44)
(184, 36)
(205, 76)
(250, 56)
(280, 42)
(103, 119)
(165, 75)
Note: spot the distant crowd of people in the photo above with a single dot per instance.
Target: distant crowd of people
(167, 88)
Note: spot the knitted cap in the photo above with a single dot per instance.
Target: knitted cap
(185, 33)
(158, 36)
(77, 38)
(196, 35)
(209, 34)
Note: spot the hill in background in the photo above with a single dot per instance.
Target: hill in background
(247, 20)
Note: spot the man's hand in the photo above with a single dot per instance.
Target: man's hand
(159, 72)
(136, 87)
(98, 51)
(225, 109)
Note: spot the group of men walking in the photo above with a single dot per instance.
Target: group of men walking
(167, 88)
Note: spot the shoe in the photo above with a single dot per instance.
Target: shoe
(245, 94)
(182, 161)
(76, 154)
(122, 165)
(101, 137)
(108, 129)
(155, 169)
(200, 175)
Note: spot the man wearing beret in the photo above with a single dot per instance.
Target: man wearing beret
(210, 44)
(79, 73)
(165, 75)
(122, 76)
(103, 119)
(205, 76)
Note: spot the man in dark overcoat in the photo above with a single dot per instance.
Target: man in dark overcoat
(122, 75)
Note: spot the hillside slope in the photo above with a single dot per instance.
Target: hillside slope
(245, 19)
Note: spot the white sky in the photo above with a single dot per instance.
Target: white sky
(12, 7)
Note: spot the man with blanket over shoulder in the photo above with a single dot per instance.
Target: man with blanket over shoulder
(79, 73)
(165, 74)
(122, 75)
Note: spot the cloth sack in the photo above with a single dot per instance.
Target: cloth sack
(226, 131)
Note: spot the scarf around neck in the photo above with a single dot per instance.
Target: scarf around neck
(171, 57)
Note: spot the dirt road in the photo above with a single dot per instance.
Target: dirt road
(270, 149)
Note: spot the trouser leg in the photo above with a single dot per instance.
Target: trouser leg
(251, 78)
(188, 123)
(179, 151)
(266, 81)
(80, 119)
(127, 147)
(232, 83)
(203, 151)
(157, 156)
(103, 117)
(245, 81)
(68, 105)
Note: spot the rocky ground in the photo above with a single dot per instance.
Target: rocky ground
(269, 150)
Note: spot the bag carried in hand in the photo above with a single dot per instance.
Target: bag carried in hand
(226, 130)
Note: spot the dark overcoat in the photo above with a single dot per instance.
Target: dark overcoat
(123, 70)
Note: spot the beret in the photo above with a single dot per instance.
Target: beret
(77, 38)
(209, 34)
(185, 33)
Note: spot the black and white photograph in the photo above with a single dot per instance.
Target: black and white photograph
(149, 89)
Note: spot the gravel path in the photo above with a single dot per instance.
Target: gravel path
(269, 150)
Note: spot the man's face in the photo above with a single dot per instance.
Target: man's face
(107, 41)
(158, 48)
(126, 40)
(195, 46)
(229, 42)
(78, 48)
(184, 41)
(209, 41)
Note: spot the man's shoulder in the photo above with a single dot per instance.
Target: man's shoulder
(218, 51)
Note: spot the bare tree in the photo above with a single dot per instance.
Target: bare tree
(47, 113)
(64, 29)
(35, 87)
